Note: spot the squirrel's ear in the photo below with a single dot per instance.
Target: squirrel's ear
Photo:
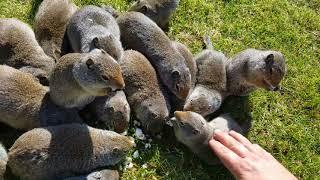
(269, 60)
(89, 63)
(144, 9)
(95, 42)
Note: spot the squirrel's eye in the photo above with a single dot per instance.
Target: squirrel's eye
(195, 131)
(89, 64)
(104, 77)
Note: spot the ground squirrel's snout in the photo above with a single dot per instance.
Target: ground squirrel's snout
(180, 115)
(277, 88)
(188, 107)
(118, 84)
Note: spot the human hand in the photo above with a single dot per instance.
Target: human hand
(246, 161)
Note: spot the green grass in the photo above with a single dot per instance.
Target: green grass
(287, 124)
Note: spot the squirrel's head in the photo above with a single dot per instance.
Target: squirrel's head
(178, 79)
(203, 101)
(110, 44)
(189, 126)
(97, 73)
(152, 115)
(267, 70)
(119, 145)
(145, 7)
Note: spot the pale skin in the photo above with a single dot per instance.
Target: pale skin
(245, 160)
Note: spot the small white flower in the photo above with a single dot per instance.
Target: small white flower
(169, 123)
(129, 166)
(145, 166)
(139, 134)
(135, 154)
(150, 140)
(147, 146)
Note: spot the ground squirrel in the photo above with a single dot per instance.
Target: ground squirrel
(113, 110)
(220, 77)
(252, 69)
(62, 151)
(159, 11)
(81, 77)
(50, 25)
(106, 174)
(140, 33)
(93, 27)
(3, 161)
(176, 103)
(211, 81)
(24, 102)
(20, 49)
(194, 131)
(144, 91)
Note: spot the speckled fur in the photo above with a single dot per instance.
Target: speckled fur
(143, 91)
(62, 151)
(3, 161)
(176, 103)
(211, 83)
(194, 131)
(19, 48)
(113, 110)
(24, 103)
(159, 11)
(92, 22)
(140, 33)
(50, 25)
(106, 174)
(74, 84)
(248, 71)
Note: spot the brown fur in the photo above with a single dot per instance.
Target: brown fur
(81, 77)
(61, 151)
(113, 110)
(3, 161)
(159, 11)
(143, 91)
(20, 97)
(24, 103)
(50, 25)
(189, 61)
(19, 49)
(140, 33)
(211, 83)
(249, 70)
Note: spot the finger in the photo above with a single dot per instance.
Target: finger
(261, 152)
(231, 143)
(243, 140)
(229, 159)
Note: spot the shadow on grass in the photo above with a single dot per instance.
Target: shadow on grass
(34, 8)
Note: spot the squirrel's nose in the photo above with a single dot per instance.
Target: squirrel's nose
(277, 88)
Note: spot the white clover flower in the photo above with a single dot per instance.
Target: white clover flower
(136, 154)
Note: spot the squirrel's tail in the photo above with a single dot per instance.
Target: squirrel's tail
(207, 42)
